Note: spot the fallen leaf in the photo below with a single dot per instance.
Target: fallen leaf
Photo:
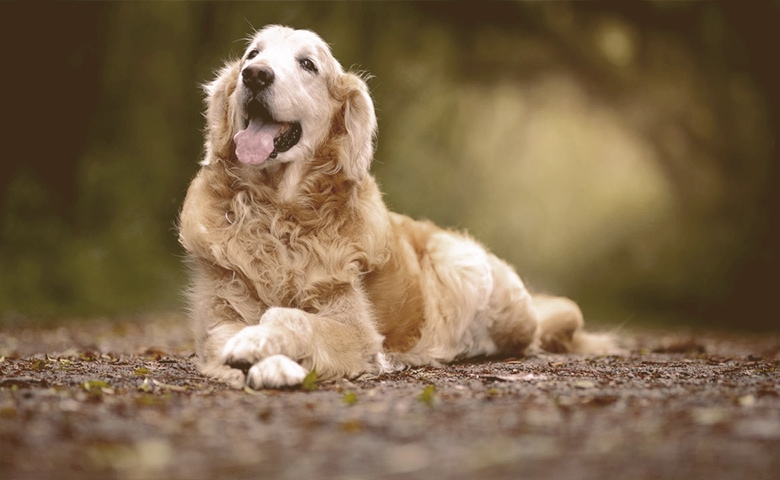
(14, 383)
(90, 385)
(88, 356)
(174, 388)
(264, 414)
(145, 386)
(309, 382)
(8, 410)
(151, 400)
(584, 384)
(38, 365)
(528, 377)
(252, 391)
(746, 401)
(350, 398)
(709, 416)
(154, 352)
(427, 395)
(352, 426)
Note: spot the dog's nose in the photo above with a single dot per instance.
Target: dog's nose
(257, 77)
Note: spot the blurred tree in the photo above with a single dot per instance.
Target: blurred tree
(50, 82)
(620, 152)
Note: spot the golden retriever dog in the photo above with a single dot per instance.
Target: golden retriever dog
(297, 264)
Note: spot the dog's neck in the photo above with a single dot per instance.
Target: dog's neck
(280, 183)
(290, 184)
(296, 186)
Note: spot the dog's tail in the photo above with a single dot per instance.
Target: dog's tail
(561, 328)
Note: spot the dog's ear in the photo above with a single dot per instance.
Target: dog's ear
(220, 114)
(360, 125)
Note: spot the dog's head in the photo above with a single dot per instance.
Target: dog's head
(283, 100)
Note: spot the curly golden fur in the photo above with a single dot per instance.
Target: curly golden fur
(297, 264)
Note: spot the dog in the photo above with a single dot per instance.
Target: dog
(296, 263)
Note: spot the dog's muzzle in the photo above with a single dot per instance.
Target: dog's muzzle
(263, 137)
(257, 77)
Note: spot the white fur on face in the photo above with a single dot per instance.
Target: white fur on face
(296, 94)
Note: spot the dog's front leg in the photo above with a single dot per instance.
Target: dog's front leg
(287, 343)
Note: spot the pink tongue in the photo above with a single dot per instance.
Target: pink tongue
(256, 143)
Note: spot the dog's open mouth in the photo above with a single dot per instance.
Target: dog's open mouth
(264, 138)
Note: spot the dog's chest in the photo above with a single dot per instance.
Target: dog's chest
(286, 262)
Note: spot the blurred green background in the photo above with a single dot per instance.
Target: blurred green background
(621, 153)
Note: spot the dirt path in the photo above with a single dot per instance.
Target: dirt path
(107, 400)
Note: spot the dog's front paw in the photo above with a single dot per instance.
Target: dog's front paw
(275, 371)
(248, 347)
(223, 373)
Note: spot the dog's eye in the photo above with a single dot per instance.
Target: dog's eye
(252, 54)
(308, 65)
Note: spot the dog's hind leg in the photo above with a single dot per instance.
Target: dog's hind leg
(514, 324)
(521, 320)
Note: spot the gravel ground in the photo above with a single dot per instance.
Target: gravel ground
(107, 399)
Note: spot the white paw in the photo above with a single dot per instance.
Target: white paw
(248, 347)
(223, 373)
(274, 372)
(233, 377)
